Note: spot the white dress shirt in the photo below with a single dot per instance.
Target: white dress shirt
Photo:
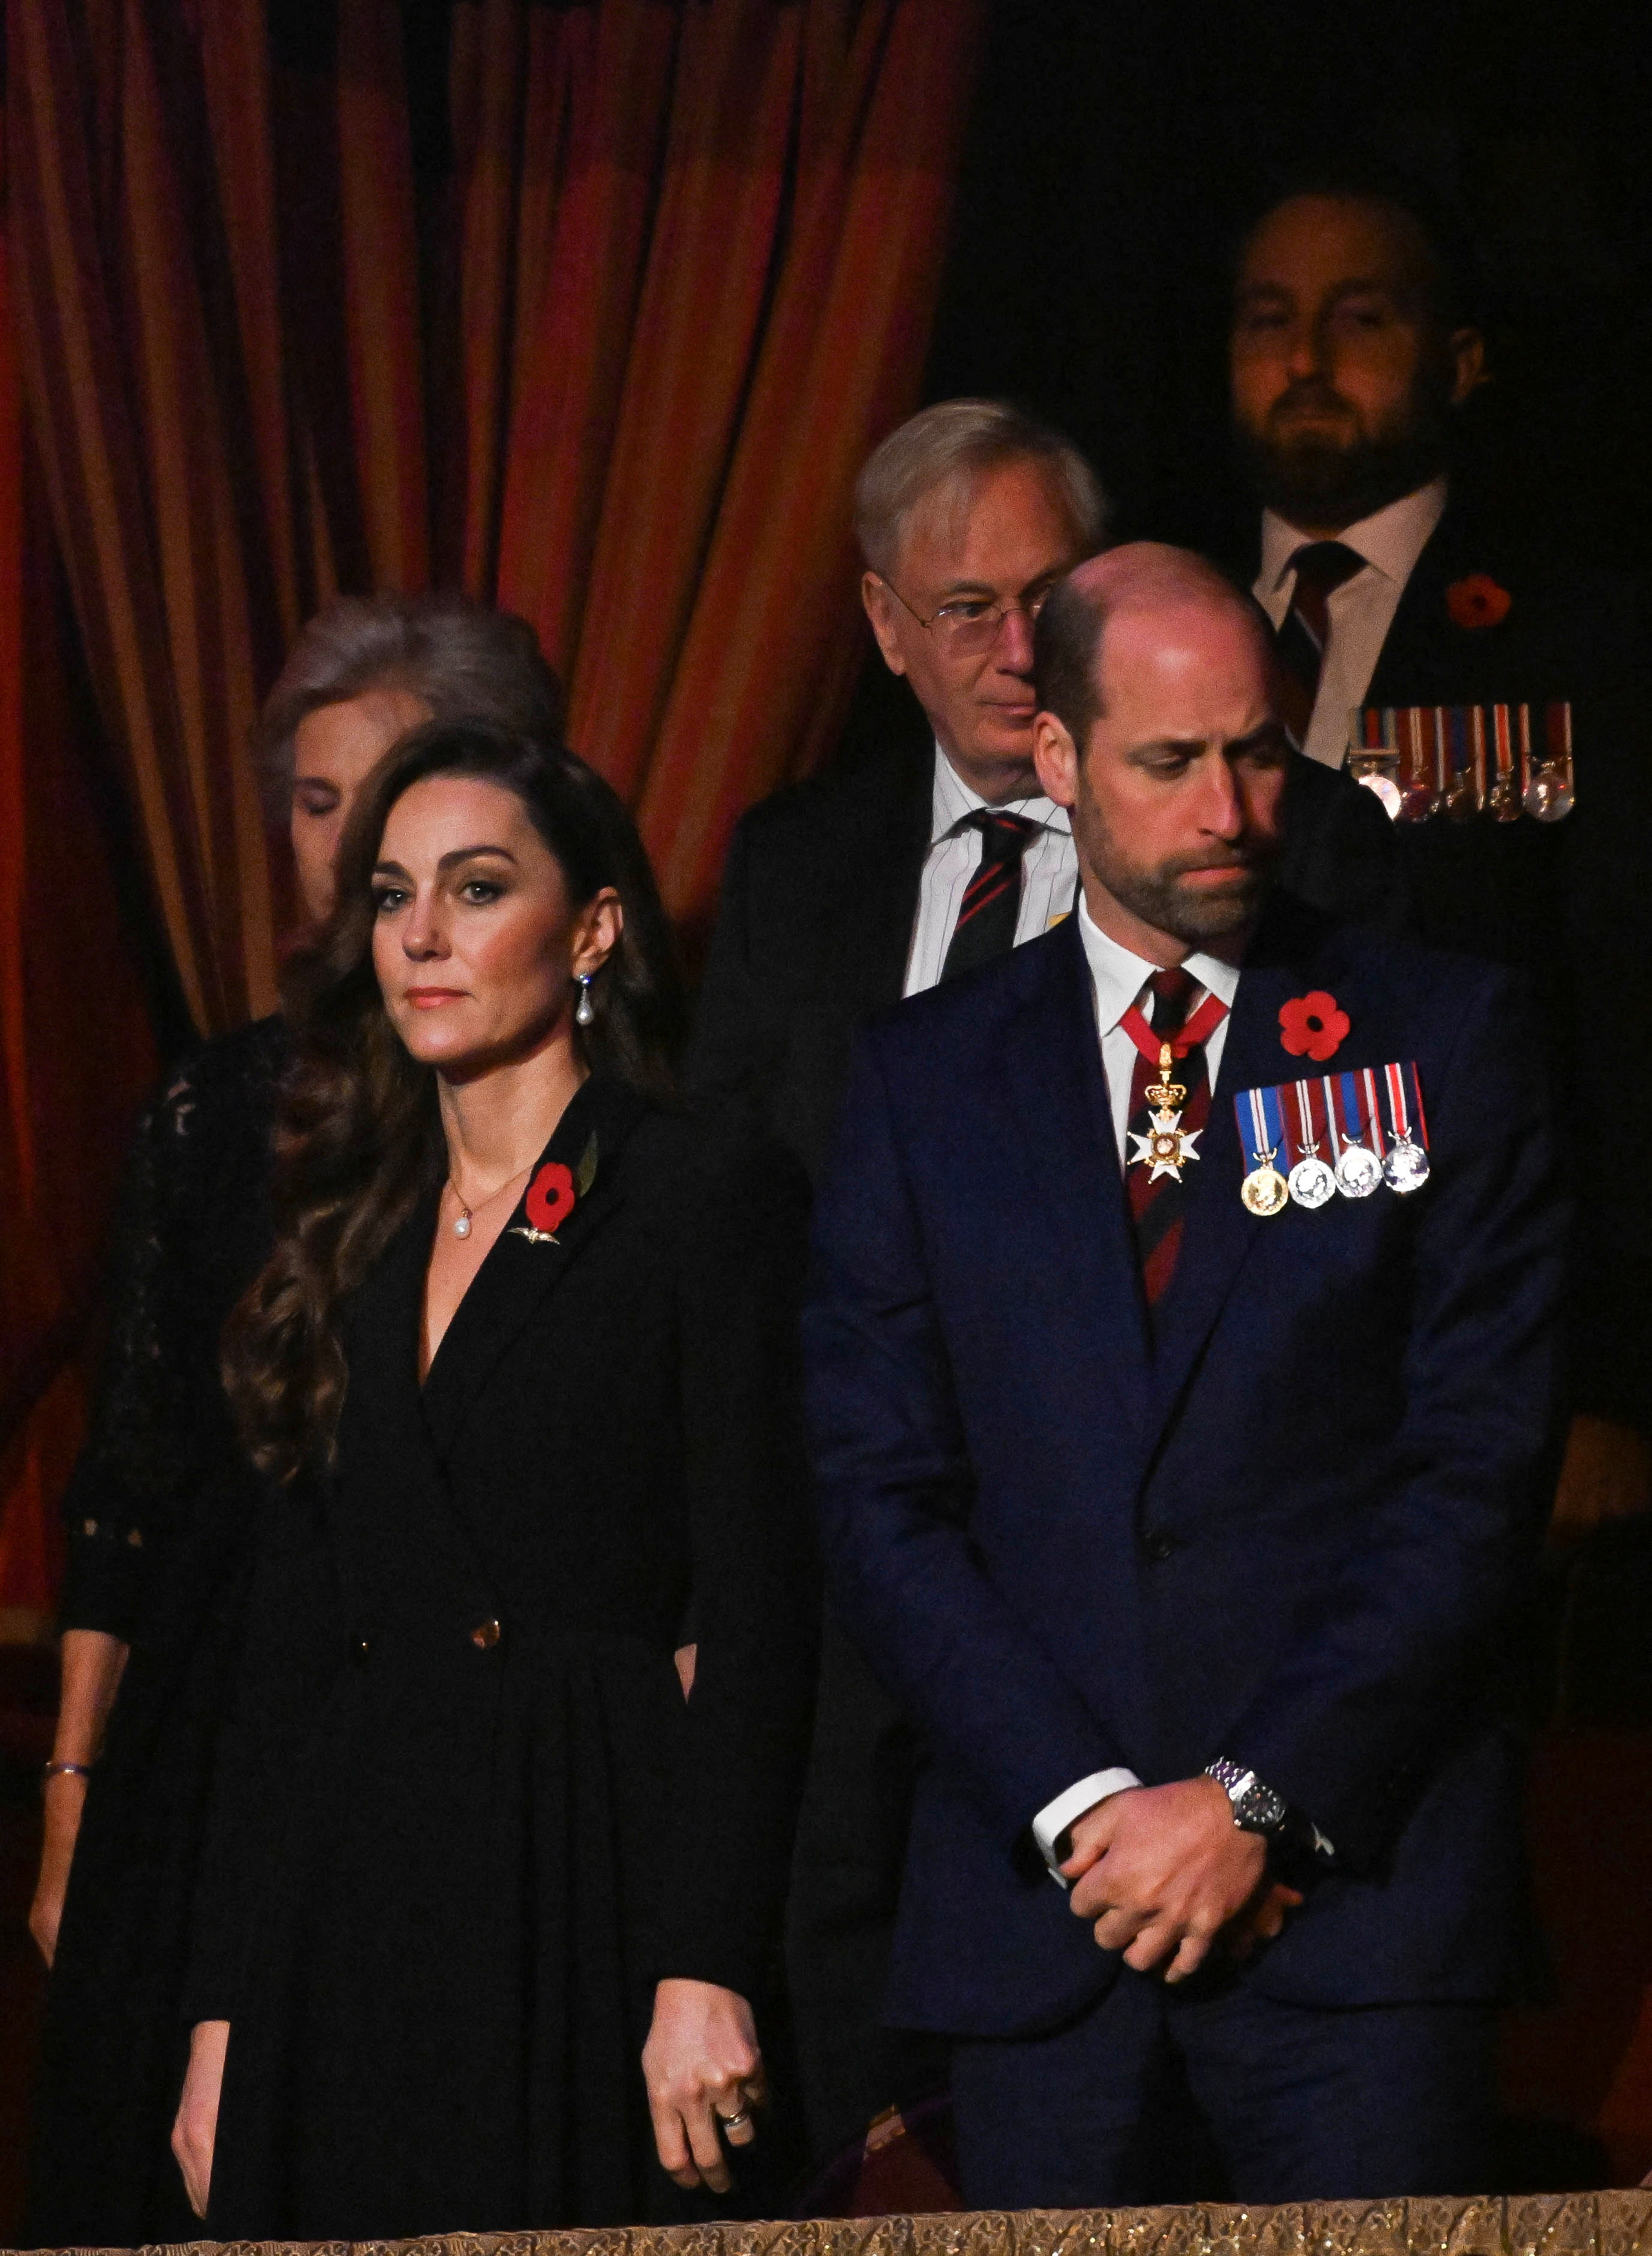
(1117, 979)
(1360, 611)
(1049, 871)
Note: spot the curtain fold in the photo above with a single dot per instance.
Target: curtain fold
(617, 370)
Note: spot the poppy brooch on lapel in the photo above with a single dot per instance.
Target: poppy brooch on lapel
(552, 1196)
(1478, 601)
(1313, 1025)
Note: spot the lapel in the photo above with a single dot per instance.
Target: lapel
(1051, 1063)
(387, 1462)
(519, 1275)
(883, 851)
(1221, 1231)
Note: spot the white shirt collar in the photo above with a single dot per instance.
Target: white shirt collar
(954, 799)
(1119, 977)
(1390, 538)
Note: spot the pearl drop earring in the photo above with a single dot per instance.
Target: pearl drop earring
(584, 1013)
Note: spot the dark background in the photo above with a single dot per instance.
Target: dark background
(1116, 147)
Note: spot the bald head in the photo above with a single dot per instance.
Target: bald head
(1156, 728)
(1144, 582)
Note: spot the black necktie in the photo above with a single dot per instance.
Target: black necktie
(986, 916)
(1304, 634)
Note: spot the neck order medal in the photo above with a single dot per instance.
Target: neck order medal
(1167, 1147)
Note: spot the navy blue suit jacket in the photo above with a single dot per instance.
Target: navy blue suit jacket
(1291, 1535)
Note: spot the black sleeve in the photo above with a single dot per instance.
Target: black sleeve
(119, 1496)
(739, 1048)
(292, 1648)
(756, 1604)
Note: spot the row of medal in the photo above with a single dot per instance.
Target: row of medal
(1464, 761)
(1347, 1133)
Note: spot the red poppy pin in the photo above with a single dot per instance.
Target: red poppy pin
(552, 1196)
(1313, 1025)
(1478, 601)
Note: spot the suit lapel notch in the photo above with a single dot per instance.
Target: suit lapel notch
(1221, 1231)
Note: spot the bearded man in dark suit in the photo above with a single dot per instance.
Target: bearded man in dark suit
(880, 880)
(1352, 352)
(1183, 1429)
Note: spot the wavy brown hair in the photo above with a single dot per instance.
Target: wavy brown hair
(358, 1137)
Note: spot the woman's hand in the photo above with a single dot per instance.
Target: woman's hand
(195, 2130)
(705, 2075)
(65, 1798)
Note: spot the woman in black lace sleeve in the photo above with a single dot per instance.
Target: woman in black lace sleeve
(162, 1504)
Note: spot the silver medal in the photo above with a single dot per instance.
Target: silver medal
(1358, 1171)
(1311, 1181)
(1406, 1165)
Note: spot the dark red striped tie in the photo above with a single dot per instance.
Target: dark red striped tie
(1158, 1203)
(991, 905)
(1304, 634)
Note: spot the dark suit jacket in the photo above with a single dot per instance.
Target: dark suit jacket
(1292, 1537)
(819, 901)
(1566, 902)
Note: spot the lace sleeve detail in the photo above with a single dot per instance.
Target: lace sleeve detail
(142, 1440)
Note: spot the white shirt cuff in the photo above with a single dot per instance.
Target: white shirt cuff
(1055, 1816)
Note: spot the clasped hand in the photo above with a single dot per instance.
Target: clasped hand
(1163, 1872)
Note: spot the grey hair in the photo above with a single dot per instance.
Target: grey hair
(463, 660)
(952, 443)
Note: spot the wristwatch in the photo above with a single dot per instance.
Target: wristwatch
(1257, 1808)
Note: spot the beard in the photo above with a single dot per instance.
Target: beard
(1162, 898)
(1311, 478)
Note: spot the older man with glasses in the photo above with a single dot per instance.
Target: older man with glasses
(842, 894)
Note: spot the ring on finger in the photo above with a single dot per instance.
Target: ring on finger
(737, 2121)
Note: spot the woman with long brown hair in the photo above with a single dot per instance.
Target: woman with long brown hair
(161, 1511)
(491, 1896)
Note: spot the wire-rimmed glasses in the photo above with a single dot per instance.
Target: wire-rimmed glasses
(968, 625)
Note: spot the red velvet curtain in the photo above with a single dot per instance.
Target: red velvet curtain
(613, 357)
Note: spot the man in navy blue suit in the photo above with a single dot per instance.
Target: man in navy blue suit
(1182, 1379)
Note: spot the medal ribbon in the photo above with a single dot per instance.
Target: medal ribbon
(1261, 1123)
(1351, 1119)
(1403, 1114)
(1199, 1027)
(1307, 1139)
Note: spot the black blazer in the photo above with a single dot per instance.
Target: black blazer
(468, 1820)
(819, 901)
(1565, 903)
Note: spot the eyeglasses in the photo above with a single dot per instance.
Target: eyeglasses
(969, 624)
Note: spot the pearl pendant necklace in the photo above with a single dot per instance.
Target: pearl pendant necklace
(462, 1224)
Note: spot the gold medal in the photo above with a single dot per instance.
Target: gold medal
(1264, 1189)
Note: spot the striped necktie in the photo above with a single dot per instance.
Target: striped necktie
(991, 905)
(1304, 635)
(1158, 1202)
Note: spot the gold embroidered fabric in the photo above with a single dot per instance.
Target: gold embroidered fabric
(1530, 2225)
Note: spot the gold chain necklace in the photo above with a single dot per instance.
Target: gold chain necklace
(461, 1227)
